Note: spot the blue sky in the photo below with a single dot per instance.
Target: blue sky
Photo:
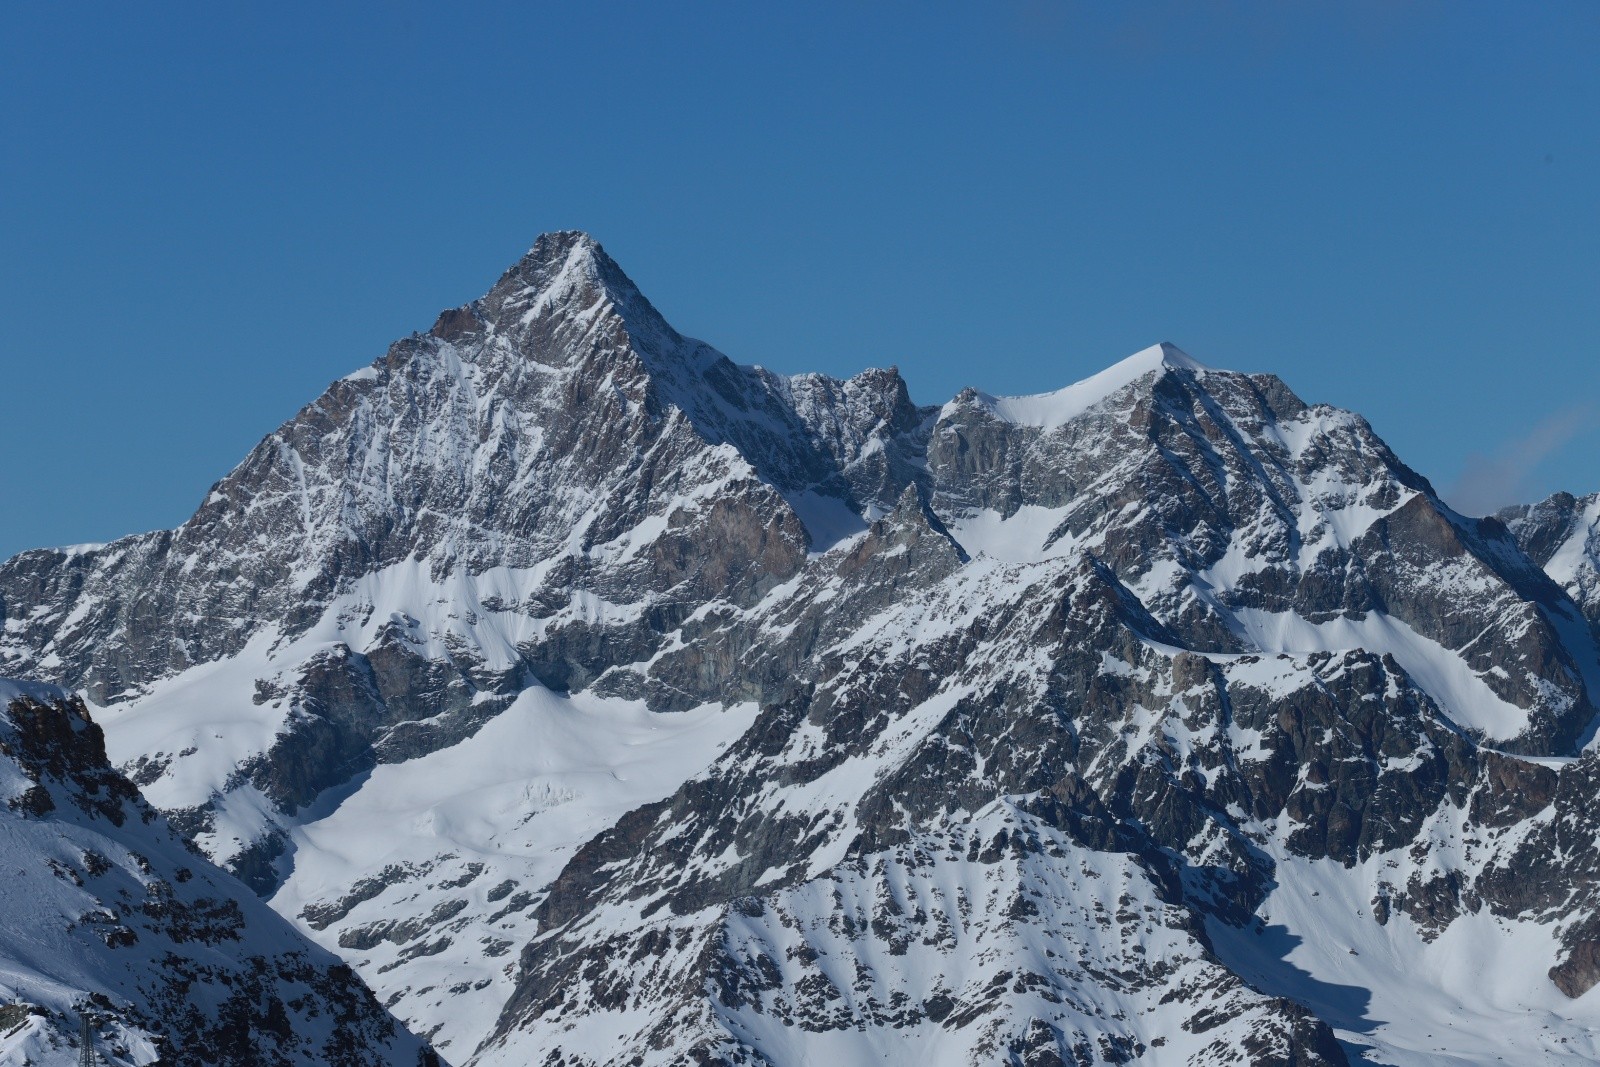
(206, 214)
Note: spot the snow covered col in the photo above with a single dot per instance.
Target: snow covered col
(601, 701)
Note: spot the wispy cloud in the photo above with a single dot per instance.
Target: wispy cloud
(1490, 482)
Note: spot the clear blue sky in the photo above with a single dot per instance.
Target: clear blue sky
(208, 212)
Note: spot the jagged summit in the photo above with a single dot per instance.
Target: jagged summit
(555, 245)
(566, 283)
(562, 262)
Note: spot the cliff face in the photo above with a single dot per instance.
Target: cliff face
(601, 700)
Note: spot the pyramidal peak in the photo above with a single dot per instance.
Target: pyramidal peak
(565, 279)
(553, 243)
(1048, 411)
(564, 264)
(566, 257)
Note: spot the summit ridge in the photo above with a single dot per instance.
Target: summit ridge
(1048, 411)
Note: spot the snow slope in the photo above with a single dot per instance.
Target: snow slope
(479, 831)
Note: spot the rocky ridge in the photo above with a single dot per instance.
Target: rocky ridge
(107, 914)
(1562, 535)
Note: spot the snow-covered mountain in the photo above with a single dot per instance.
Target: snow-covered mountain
(106, 913)
(603, 701)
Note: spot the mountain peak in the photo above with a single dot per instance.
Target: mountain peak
(562, 260)
(1169, 355)
(564, 248)
(1050, 410)
(1161, 356)
(561, 265)
(568, 274)
(563, 239)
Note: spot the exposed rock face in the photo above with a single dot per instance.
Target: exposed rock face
(107, 914)
(1562, 535)
(603, 701)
